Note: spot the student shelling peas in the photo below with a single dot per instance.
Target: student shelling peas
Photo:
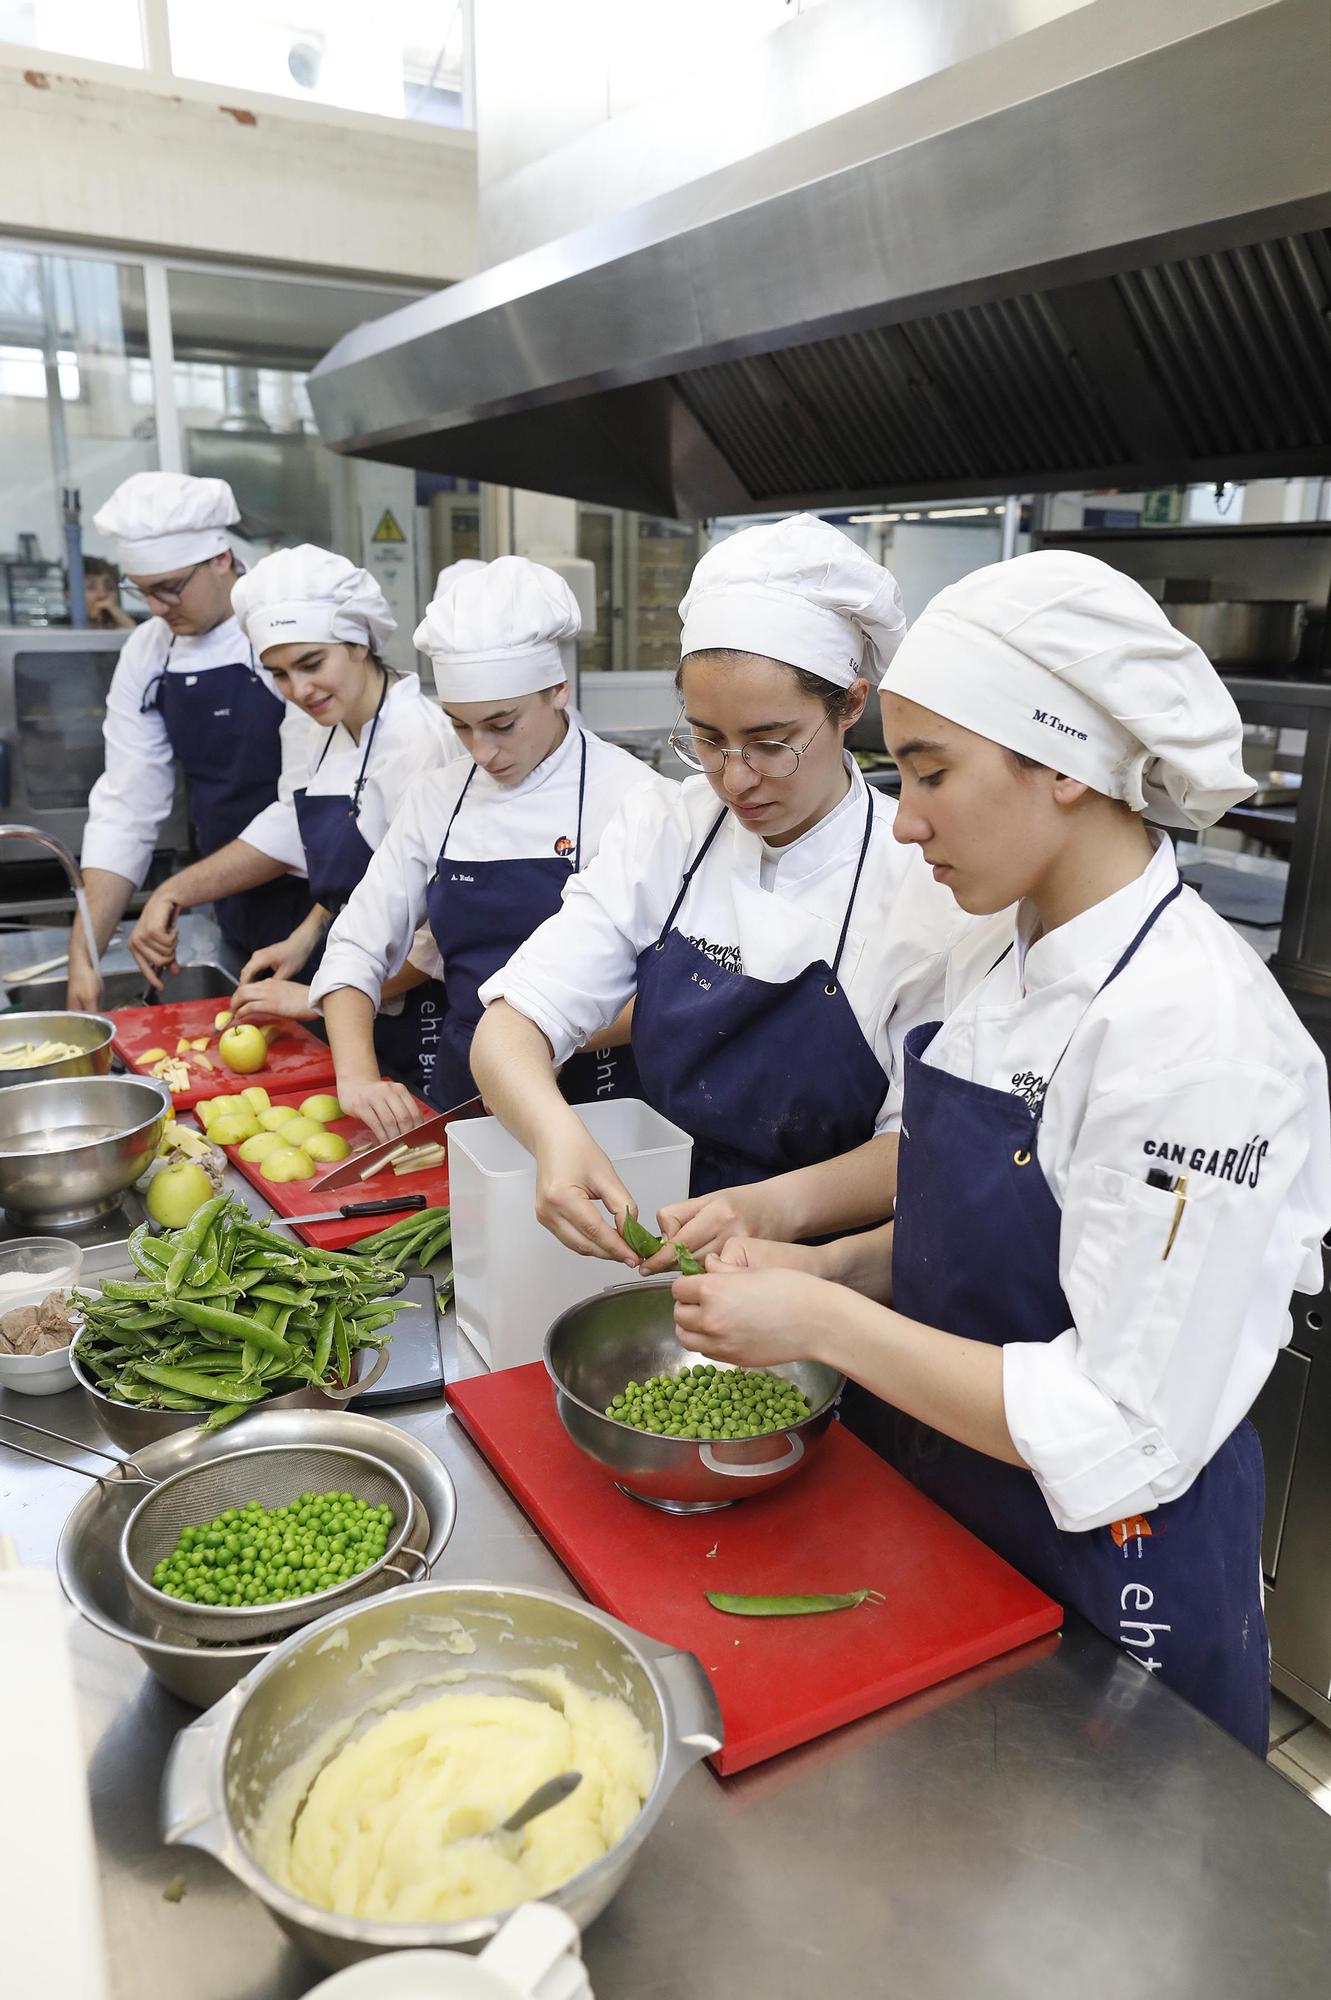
(259, 1555)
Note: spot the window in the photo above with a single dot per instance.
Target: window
(99, 30)
(23, 372)
(401, 62)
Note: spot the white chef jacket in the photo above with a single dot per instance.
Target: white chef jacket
(373, 935)
(1192, 1061)
(132, 799)
(576, 971)
(413, 736)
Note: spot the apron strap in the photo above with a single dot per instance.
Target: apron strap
(831, 986)
(582, 793)
(456, 810)
(359, 785)
(689, 874)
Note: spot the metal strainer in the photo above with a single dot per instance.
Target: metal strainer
(273, 1475)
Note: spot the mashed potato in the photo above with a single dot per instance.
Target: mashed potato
(393, 1826)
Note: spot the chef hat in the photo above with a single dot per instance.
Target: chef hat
(1062, 658)
(309, 596)
(162, 521)
(494, 632)
(464, 566)
(800, 591)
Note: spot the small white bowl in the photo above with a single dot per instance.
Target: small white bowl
(37, 1374)
(31, 1267)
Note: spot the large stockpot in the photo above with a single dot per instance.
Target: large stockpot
(91, 1035)
(69, 1148)
(223, 1768)
(628, 1334)
(87, 1558)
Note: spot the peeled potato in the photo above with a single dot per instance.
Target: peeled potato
(326, 1147)
(288, 1163)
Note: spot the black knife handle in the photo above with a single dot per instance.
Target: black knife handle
(394, 1203)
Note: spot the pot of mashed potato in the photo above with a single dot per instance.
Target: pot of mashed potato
(355, 1781)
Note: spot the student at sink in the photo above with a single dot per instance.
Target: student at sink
(485, 848)
(362, 733)
(775, 940)
(1116, 1148)
(187, 691)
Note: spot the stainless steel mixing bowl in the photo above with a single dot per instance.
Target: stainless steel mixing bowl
(87, 1559)
(223, 1768)
(70, 1148)
(627, 1334)
(91, 1033)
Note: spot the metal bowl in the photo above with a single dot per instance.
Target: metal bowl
(627, 1334)
(70, 1148)
(91, 1032)
(361, 1662)
(87, 1559)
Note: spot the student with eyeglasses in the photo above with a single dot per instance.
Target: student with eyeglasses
(187, 690)
(777, 943)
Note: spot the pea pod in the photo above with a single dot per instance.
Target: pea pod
(791, 1607)
(640, 1240)
(191, 1240)
(214, 1319)
(688, 1263)
(210, 1388)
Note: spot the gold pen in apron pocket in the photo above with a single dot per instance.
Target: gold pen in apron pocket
(1158, 1178)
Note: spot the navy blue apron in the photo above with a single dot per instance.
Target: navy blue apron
(336, 857)
(480, 912)
(223, 728)
(766, 1076)
(975, 1251)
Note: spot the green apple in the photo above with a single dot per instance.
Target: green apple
(288, 1163)
(276, 1116)
(326, 1147)
(243, 1049)
(261, 1145)
(297, 1130)
(175, 1193)
(256, 1097)
(231, 1128)
(324, 1108)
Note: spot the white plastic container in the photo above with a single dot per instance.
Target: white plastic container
(511, 1278)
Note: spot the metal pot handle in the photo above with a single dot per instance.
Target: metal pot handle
(417, 1555)
(193, 1803)
(362, 1382)
(694, 1714)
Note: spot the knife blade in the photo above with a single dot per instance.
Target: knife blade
(357, 1168)
(393, 1205)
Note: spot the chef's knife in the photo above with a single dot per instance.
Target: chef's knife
(394, 1205)
(358, 1167)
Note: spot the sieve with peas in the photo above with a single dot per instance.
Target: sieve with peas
(268, 1555)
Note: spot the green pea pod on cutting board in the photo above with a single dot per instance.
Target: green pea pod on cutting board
(791, 1607)
(645, 1245)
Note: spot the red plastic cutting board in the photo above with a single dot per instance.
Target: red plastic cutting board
(296, 1061)
(847, 1522)
(297, 1198)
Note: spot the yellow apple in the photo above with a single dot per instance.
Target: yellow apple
(231, 1128)
(297, 1130)
(256, 1097)
(326, 1147)
(175, 1193)
(243, 1049)
(324, 1108)
(222, 1020)
(288, 1163)
(260, 1145)
(276, 1116)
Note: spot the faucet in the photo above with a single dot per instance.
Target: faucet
(73, 873)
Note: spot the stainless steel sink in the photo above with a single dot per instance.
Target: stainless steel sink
(202, 981)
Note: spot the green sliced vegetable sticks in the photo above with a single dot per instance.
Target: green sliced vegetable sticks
(805, 1606)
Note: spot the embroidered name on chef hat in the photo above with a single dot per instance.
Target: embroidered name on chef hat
(313, 596)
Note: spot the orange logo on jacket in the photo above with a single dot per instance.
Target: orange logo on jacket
(1130, 1530)
(563, 847)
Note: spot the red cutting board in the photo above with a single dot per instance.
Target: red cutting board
(293, 1199)
(296, 1061)
(847, 1522)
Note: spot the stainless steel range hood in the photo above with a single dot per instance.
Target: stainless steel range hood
(1095, 254)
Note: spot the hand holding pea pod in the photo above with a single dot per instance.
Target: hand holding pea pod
(646, 1245)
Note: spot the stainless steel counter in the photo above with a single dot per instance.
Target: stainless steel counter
(1057, 1823)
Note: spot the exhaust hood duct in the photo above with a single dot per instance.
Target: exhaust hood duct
(1099, 255)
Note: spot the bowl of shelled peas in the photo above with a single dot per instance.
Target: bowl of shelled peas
(669, 1426)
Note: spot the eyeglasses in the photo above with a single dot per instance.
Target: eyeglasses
(168, 593)
(769, 760)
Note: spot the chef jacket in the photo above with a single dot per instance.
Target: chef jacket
(373, 935)
(132, 799)
(1192, 1062)
(577, 970)
(414, 736)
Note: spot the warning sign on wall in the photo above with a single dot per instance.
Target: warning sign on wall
(388, 529)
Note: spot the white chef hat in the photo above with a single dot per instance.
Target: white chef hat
(1062, 658)
(162, 521)
(494, 632)
(464, 566)
(310, 596)
(800, 591)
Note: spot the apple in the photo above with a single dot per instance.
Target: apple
(288, 1163)
(260, 1144)
(231, 1128)
(297, 1130)
(222, 1020)
(175, 1193)
(276, 1116)
(243, 1049)
(256, 1097)
(323, 1108)
(207, 1108)
(326, 1147)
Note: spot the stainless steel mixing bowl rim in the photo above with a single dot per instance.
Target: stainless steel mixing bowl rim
(68, 1083)
(229, 1849)
(8, 1021)
(829, 1401)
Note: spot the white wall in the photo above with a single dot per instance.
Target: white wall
(182, 173)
